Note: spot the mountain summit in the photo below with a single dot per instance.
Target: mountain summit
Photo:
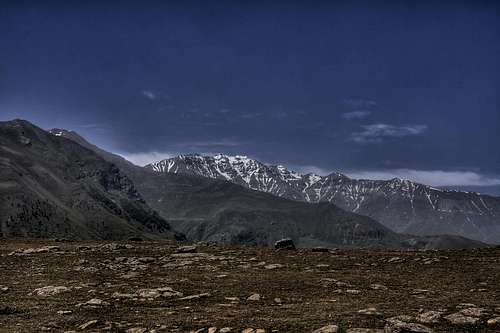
(402, 205)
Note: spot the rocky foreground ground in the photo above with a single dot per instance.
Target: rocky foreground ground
(158, 287)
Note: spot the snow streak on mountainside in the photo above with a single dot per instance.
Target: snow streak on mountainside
(401, 205)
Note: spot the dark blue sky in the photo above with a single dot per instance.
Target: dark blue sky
(371, 89)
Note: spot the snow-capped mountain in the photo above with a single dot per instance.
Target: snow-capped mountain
(401, 205)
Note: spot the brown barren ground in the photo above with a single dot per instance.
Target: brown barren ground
(305, 291)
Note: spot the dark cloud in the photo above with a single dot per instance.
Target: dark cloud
(280, 80)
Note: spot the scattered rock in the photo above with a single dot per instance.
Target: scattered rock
(419, 291)
(401, 318)
(225, 330)
(466, 305)
(96, 302)
(376, 286)
(83, 248)
(197, 296)
(364, 330)
(327, 329)
(122, 295)
(155, 293)
(460, 319)
(429, 317)
(395, 259)
(273, 266)
(186, 249)
(136, 330)
(353, 291)
(369, 312)
(88, 324)
(64, 312)
(115, 246)
(50, 290)
(474, 312)
(254, 297)
(396, 326)
(284, 244)
(43, 249)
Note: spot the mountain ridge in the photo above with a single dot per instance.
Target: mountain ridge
(217, 210)
(402, 205)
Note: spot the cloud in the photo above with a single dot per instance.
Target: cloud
(305, 169)
(430, 177)
(360, 103)
(356, 114)
(149, 94)
(376, 133)
(145, 158)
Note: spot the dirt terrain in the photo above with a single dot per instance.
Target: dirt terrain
(157, 287)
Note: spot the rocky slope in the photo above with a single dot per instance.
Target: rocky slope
(401, 205)
(53, 187)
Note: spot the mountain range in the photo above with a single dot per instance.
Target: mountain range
(57, 184)
(217, 210)
(401, 205)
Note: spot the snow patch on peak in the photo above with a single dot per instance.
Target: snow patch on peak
(313, 178)
(58, 132)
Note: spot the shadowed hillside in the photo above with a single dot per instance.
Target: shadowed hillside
(52, 187)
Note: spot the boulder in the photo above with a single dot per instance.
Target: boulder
(284, 244)
(254, 297)
(460, 319)
(493, 321)
(319, 249)
(429, 317)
